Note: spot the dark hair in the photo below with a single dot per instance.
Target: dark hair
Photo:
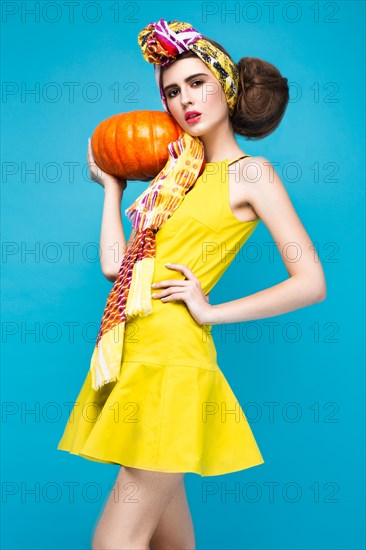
(263, 95)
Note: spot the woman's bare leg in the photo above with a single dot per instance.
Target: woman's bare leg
(133, 509)
(175, 527)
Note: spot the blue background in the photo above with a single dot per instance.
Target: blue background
(312, 369)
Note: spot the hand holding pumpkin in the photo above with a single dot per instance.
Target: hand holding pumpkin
(98, 175)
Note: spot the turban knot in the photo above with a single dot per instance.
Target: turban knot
(161, 42)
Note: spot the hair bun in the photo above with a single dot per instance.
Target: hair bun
(263, 96)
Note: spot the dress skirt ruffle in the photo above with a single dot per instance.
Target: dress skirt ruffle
(166, 418)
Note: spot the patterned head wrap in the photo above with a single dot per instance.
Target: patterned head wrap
(163, 41)
(160, 43)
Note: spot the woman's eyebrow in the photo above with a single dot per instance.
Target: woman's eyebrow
(185, 80)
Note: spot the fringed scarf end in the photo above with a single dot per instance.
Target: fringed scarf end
(106, 359)
(139, 295)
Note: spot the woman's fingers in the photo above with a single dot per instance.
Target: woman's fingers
(95, 171)
(89, 154)
(98, 175)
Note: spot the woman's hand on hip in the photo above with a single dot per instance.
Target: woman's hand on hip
(188, 290)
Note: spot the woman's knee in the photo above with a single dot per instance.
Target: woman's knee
(175, 526)
(129, 518)
(105, 542)
(175, 543)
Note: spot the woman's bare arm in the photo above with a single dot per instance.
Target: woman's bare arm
(112, 238)
(306, 283)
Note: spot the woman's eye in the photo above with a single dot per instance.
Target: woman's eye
(172, 91)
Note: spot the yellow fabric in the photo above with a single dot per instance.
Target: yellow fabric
(172, 409)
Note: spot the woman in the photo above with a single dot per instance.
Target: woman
(169, 368)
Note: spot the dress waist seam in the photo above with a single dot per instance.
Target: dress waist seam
(169, 364)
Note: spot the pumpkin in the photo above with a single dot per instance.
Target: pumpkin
(134, 145)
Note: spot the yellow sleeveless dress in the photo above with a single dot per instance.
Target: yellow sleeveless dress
(172, 409)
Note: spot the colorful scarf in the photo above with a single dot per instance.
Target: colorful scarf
(130, 295)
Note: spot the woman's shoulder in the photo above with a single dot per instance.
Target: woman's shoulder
(258, 180)
(255, 168)
(255, 160)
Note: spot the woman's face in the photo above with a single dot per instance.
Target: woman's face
(202, 93)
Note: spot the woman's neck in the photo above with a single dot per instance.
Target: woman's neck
(220, 144)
